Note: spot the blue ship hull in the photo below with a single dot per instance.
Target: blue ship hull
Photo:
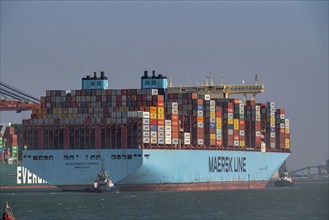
(153, 169)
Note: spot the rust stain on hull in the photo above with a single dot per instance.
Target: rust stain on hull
(194, 186)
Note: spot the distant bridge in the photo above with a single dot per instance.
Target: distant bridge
(310, 171)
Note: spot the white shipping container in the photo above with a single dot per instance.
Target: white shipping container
(272, 115)
(241, 133)
(187, 135)
(146, 115)
(175, 141)
(212, 108)
(168, 128)
(161, 134)
(146, 134)
(281, 125)
(146, 121)
(272, 134)
(200, 124)
(187, 141)
(167, 135)
(146, 127)
(174, 105)
(146, 140)
(200, 141)
(167, 122)
(161, 128)
(230, 132)
(167, 140)
(174, 111)
(257, 118)
(219, 137)
(206, 97)
(213, 120)
(257, 134)
(230, 115)
(161, 141)
(281, 116)
(236, 143)
(155, 92)
(154, 140)
(200, 113)
(153, 134)
(272, 145)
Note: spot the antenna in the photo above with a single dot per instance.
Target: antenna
(256, 79)
(222, 80)
(170, 81)
(211, 80)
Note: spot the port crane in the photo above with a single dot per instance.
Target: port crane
(13, 99)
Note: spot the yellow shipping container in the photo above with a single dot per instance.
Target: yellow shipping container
(287, 131)
(287, 141)
(212, 136)
(287, 146)
(161, 116)
(272, 119)
(153, 109)
(236, 127)
(241, 143)
(161, 110)
(153, 116)
(212, 114)
(230, 121)
(218, 120)
(236, 122)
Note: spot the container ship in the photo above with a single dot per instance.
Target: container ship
(158, 137)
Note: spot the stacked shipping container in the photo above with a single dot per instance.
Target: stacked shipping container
(131, 118)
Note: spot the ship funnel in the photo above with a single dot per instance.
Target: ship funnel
(95, 75)
(153, 73)
(145, 73)
(102, 75)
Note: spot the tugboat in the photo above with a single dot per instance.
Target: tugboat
(284, 180)
(8, 213)
(103, 182)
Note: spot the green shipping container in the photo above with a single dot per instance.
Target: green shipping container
(14, 152)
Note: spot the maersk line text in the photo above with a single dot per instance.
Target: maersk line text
(227, 164)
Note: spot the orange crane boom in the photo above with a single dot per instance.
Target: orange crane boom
(12, 99)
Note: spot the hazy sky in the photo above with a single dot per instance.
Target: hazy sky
(51, 45)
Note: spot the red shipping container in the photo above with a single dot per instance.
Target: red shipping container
(174, 117)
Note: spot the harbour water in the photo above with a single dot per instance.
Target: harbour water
(304, 201)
